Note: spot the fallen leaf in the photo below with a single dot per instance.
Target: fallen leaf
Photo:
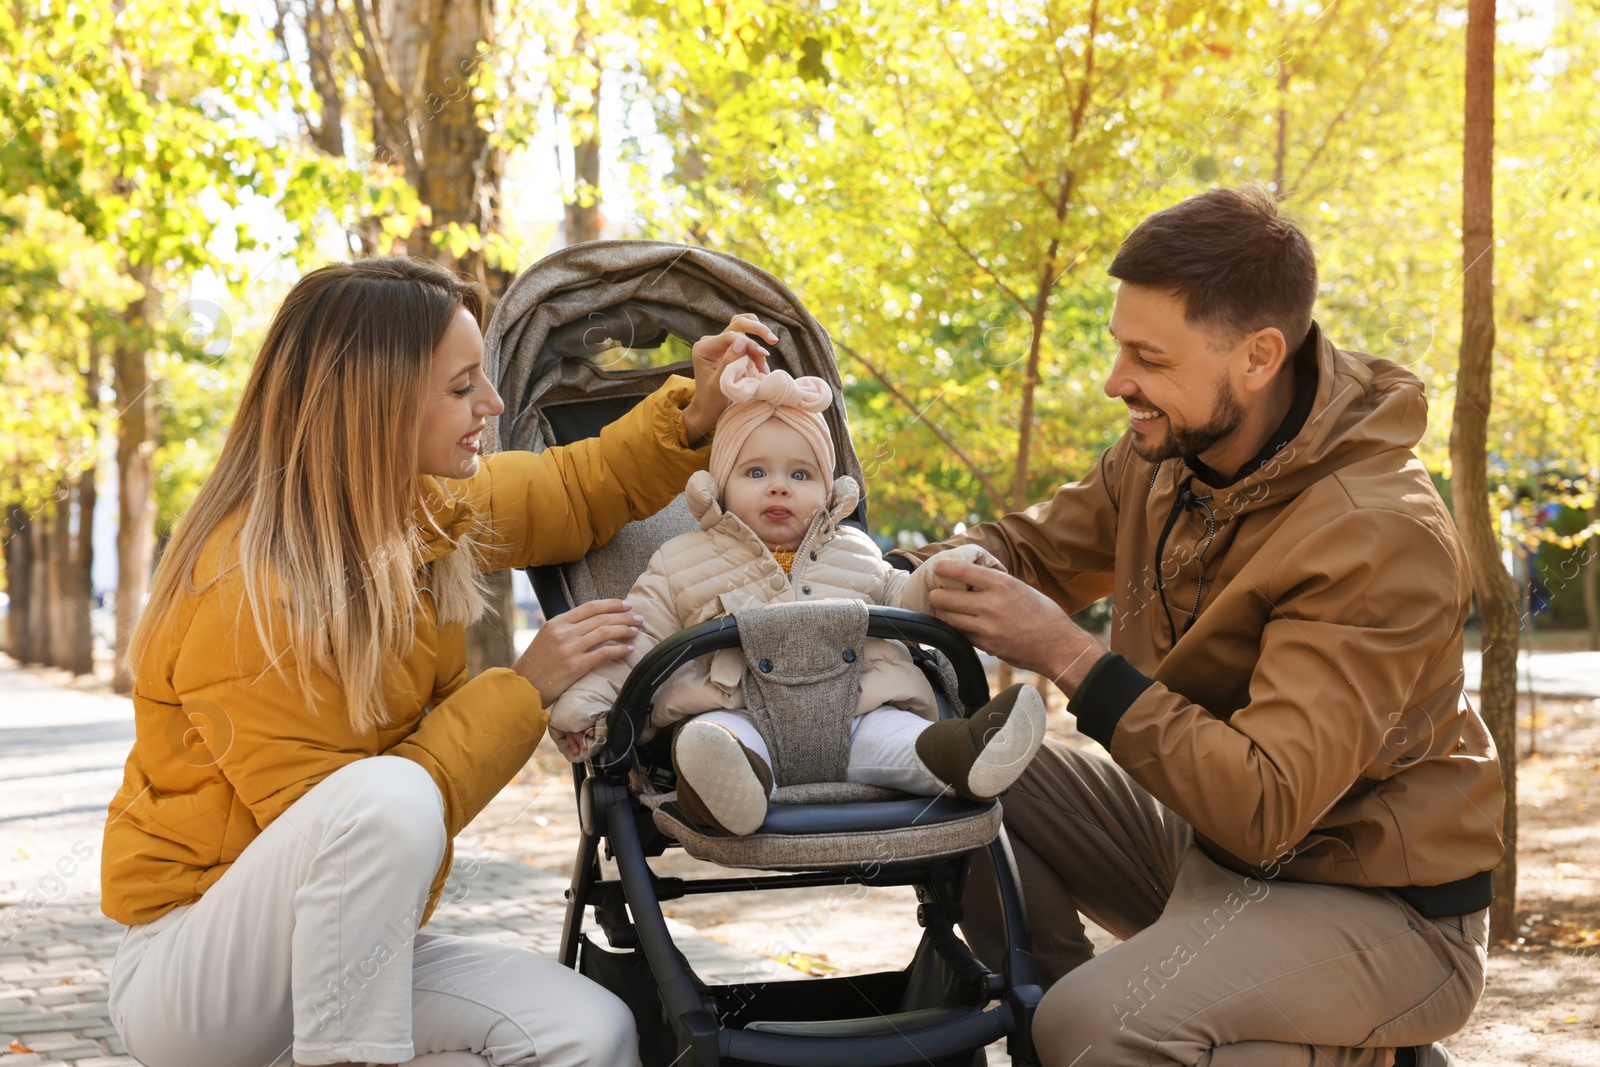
(17, 1046)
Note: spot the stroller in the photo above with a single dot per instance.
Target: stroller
(547, 347)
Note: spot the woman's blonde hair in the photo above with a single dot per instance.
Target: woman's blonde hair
(321, 462)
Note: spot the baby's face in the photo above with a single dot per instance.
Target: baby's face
(776, 488)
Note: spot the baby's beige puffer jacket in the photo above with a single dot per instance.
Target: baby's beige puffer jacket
(724, 566)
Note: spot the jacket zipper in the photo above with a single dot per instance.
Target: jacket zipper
(1185, 499)
(817, 525)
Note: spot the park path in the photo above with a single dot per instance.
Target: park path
(62, 746)
(1554, 674)
(61, 757)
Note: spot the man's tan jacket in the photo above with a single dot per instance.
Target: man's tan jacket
(1286, 667)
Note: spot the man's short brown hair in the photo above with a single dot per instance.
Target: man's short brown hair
(1236, 262)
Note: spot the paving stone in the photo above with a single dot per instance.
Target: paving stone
(44, 1024)
(66, 1048)
(49, 1043)
(68, 952)
(93, 1009)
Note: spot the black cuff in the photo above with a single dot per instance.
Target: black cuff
(1105, 695)
(899, 562)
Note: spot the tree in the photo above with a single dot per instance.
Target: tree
(436, 94)
(943, 186)
(1497, 596)
(1547, 228)
(133, 120)
(59, 296)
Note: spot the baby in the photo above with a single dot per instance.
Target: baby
(769, 509)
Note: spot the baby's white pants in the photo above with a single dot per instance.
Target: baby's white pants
(883, 748)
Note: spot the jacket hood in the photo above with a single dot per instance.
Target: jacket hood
(1363, 406)
(701, 496)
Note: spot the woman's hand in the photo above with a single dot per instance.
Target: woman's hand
(572, 644)
(711, 354)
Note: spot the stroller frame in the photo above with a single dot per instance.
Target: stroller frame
(700, 1024)
(541, 348)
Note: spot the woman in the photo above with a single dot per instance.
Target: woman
(308, 743)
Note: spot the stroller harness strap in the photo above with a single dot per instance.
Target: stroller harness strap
(802, 680)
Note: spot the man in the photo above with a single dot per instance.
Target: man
(1295, 830)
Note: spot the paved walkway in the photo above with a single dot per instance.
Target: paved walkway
(1555, 674)
(61, 756)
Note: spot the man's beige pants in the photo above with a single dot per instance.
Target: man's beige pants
(1216, 968)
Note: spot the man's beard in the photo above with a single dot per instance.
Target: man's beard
(1193, 440)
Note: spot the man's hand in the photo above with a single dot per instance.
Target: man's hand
(1010, 619)
(711, 355)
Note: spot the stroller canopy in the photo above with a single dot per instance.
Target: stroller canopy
(547, 348)
(546, 344)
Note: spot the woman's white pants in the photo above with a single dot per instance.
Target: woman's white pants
(307, 949)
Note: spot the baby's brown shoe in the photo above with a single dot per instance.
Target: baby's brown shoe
(721, 783)
(979, 757)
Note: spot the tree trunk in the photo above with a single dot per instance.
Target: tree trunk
(37, 649)
(1279, 154)
(583, 210)
(1049, 277)
(19, 581)
(1495, 590)
(1591, 591)
(62, 613)
(419, 59)
(80, 660)
(583, 120)
(80, 577)
(136, 513)
(320, 30)
(490, 639)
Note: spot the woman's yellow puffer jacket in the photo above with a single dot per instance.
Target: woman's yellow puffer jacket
(224, 742)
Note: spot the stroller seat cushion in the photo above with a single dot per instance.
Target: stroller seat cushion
(832, 793)
(851, 833)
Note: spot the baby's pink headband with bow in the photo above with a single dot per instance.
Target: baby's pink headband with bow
(761, 395)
